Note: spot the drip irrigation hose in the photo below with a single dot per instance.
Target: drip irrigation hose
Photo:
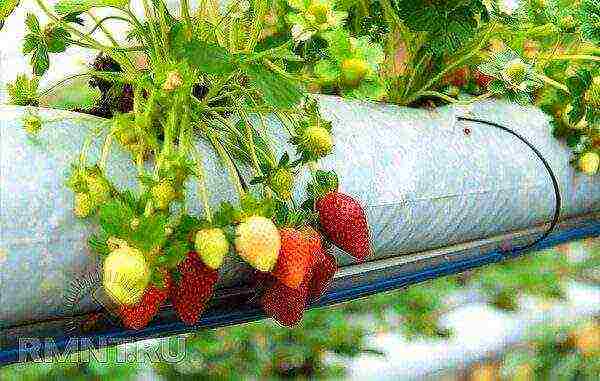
(558, 197)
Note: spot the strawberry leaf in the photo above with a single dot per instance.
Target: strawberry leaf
(208, 58)
(277, 90)
(6, 8)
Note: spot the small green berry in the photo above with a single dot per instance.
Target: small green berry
(282, 183)
(163, 193)
(317, 140)
(353, 71)
(84, 206)
(32, 124)
(212, 246)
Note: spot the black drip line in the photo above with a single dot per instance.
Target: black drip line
(558, 198)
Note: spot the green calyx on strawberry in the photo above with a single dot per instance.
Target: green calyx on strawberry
(193, 287)
(211, 245)
(592, 95)
(32, 124)
(341, 217)
(579, 124)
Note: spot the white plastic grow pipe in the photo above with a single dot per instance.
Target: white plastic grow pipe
(441, 195)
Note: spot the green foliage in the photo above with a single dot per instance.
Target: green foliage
(448, 24)
(66, 7)
(352, 66)
(6, 8)
(590, 20)
(23, 91)
(39, 42)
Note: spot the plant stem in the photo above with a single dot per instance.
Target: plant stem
(233, 175)
(581, 57)
(455, 64)
(202, 189)
(552, 82)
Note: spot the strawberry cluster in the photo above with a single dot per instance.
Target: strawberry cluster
(288, 254)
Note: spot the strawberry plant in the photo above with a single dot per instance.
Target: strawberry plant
(206, 74)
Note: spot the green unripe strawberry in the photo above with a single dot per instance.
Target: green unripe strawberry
(580, 125)
(515, 71)
(353, 71)
(592, 96)
(317, 140)
(32, 124)
(567, 24)
(212, 246)
(125, 275)
(318, 11)
(282, 183)
(83, 205)
(163, 194)
(258, 242)
(589, 163)
(98, 188)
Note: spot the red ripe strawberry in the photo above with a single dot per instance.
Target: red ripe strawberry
(194, 289)
(138, 316)
(294, 258)
(343, 220)
(459, 77)
(482, 80)
(284, 304)
(323, 269)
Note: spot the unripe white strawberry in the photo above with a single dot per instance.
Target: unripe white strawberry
(258, 242)
(592, 96)
(589, 163)
(163, 194)
(125, 275)
(317, 140)
(212, 246)
(580, 125)
(83, 205)
(353, 71)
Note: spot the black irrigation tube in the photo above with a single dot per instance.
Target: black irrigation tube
(557, 195)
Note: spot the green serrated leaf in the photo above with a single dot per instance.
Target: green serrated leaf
(6, 8)
(150, 233)
(40, 61)
(208, 58)
(32, 23)
(277, 90)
